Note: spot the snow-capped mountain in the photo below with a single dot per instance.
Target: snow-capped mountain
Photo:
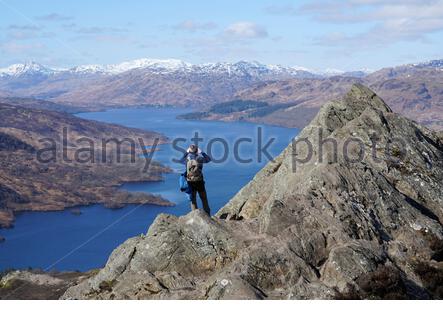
(157, 66)
(169, 65)
(252, 69)
(28, 68)
(437, 64)
(177, 83)
(331, 72)
(422, 69)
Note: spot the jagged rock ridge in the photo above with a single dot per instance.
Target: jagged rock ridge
(320, 229)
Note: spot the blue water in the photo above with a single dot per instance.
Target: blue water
(64, 241)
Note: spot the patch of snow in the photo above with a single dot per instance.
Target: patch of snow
(156, 65)
(167, 66)
(332, 72)
(19, 69)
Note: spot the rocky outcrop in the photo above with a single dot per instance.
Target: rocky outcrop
(356, 216)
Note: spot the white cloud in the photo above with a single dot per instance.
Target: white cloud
(246, 30)
(392, 20)
(219, 48)
(20, 48)
(193, 26)
(286, 9)
(233, 41)
(100, 30)
(24, 27)
(54, 17)
(26, 31)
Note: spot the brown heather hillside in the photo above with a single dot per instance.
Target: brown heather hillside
(419, 98)
(26, 183)
(413, 91)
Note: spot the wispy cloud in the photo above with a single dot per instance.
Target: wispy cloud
(392, 21)
(278, 9)
(112, 38)
(24, 27)
(20, 48)
(54, 17)
(26, 32)
(69, 26)
(100, 30)
(193, 26)
(233, 41)
(246, 30)
(216, 49)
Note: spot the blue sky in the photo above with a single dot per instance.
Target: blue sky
(318, 34)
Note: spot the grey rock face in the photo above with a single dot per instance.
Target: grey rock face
(356, 216)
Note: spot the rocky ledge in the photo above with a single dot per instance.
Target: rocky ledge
(332, 229)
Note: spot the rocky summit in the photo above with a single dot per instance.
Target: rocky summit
(352, 209)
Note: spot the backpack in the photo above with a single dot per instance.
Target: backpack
(194, 170)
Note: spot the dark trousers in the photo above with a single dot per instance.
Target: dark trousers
(199, 187)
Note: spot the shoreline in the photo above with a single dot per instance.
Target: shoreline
(7, 217)
(31, 185)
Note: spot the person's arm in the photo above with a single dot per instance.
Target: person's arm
(183, 159)
(205, 158)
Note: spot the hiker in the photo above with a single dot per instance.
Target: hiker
(194, 159)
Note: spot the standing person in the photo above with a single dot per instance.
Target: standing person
(194, 159)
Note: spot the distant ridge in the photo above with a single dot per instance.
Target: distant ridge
(294, 94)
(175, 65)
(172, 65)
(25, 68)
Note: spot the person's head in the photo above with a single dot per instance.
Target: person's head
(192, 148)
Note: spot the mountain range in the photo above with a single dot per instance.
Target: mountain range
(413, 90)
(143, 82)
(293, 94)
(173, 65)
